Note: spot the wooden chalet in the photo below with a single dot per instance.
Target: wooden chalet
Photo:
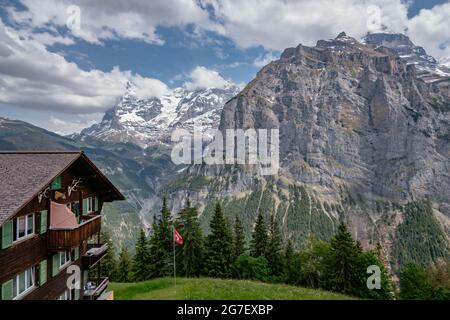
(50, 205)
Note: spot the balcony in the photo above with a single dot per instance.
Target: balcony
(59, 239)
(94, 253)
(95, 288)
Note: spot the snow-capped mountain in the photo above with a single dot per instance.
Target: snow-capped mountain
(150, 121)
(428, 68)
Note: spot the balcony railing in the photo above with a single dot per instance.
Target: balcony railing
(98, 287)
(66, 238)
(94, 253)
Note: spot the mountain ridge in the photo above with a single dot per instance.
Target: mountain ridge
(150, 121)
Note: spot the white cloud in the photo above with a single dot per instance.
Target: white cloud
(33, 77)
(280, 24)
(274, 24)
(113, 19)
(48, 39)
(69, 125)
(265, 59)
(146, 87)
(201, 78)
(431, 29)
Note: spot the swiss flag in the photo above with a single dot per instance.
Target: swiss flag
(177, 236)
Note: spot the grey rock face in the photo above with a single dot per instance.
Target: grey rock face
(352, 113)
(427, 68)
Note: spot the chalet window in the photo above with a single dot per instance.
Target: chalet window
(64, 259)
(23, 282)
(24, 226)
(90, 205)
(67, 295)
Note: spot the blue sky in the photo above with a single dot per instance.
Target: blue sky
(64, 79)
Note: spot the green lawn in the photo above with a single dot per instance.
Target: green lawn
(220, 289)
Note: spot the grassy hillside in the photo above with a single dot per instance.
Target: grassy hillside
(212, 289)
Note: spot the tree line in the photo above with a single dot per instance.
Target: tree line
(339, 265)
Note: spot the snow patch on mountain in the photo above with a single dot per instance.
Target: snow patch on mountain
(429, 69)
(150, 121)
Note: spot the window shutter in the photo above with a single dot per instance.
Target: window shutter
(7, 290)
(77, 294)
(55, 264)
(43, 224)
(56, 184)
(76, 253)
(7, 234)
(96, 203)
(42, 272)
(85, 206)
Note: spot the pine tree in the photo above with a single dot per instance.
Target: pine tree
(259, 238)
(141, 260)
(343, 262)
(274, 248)
(239, 238)
(219, 246)
(191, 253)
(124, 267)
(370, 259)
(161, 243)
(288, 259)
(108, 265)
(414, 284)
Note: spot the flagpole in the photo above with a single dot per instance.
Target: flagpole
(174, 265)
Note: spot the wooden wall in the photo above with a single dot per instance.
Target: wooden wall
(27, 253)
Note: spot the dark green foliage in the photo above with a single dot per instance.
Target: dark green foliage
(432, 283)
(438, 276)
(274, 252)
(141, 259)
(288, 260)
(420, 239)
(258, 245)
(342, 263)
(238, 238)
(252, 268)
(190, 255)
(306, 214)
(161, 249)
(413, 283)
(219, 246)
(366, 259)
(124, 266)
(108, 265)
(312, 265)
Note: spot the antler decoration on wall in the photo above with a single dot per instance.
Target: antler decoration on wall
(43, 194)
(75, 184)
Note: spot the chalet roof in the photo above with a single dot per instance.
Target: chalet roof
(25, 173)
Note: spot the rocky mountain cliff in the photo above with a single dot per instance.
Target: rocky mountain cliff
(427, 68)
(364, 138)
(150, 121)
